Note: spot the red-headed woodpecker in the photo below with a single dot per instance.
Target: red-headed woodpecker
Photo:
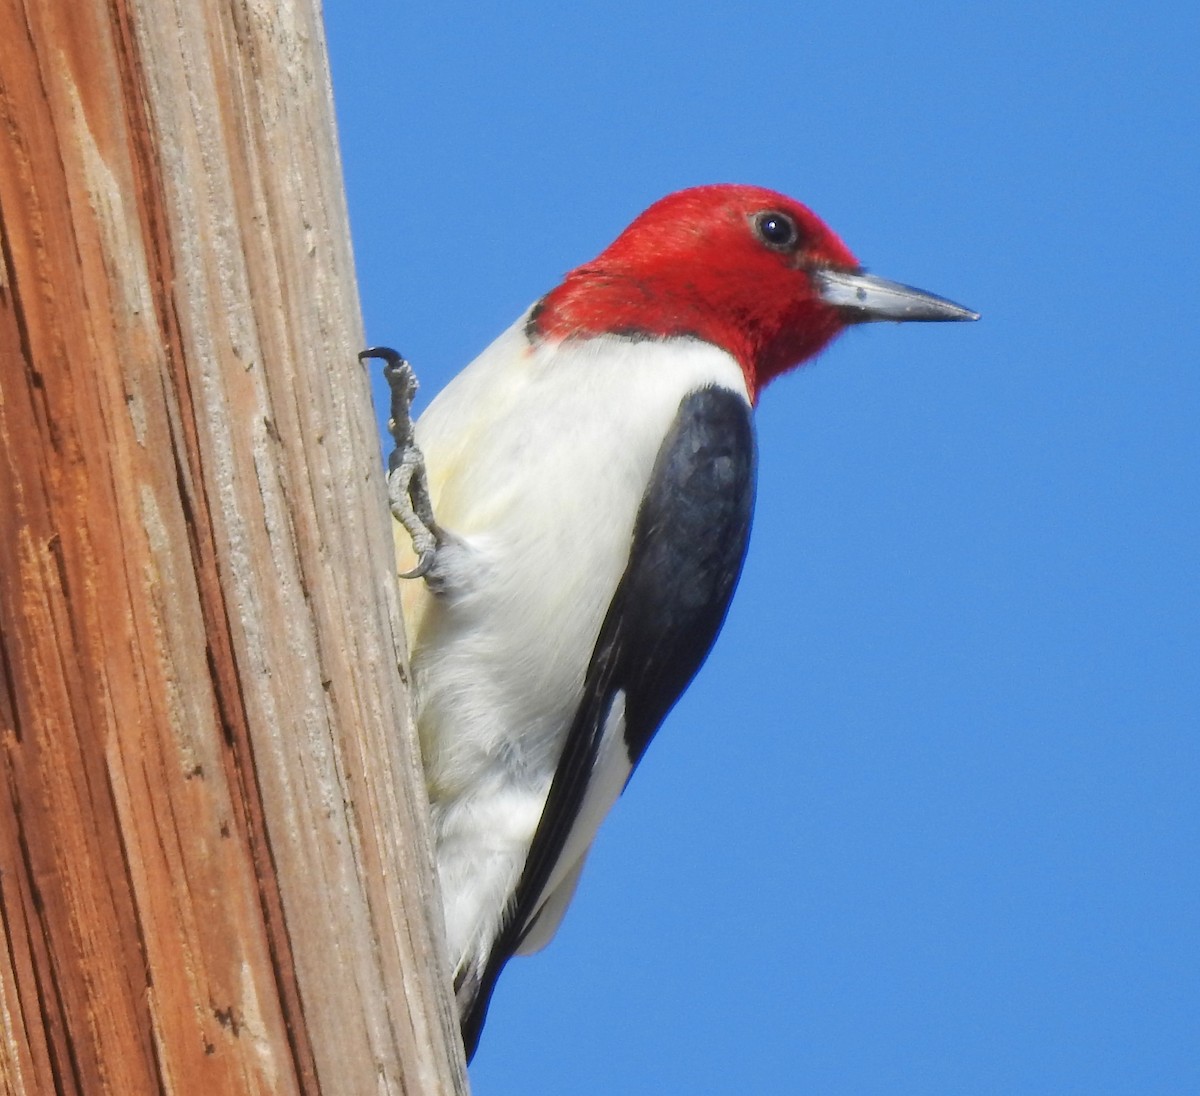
(592, 477)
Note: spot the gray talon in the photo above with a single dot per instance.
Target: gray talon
(408, 488)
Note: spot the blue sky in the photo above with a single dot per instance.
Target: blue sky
(927, 821)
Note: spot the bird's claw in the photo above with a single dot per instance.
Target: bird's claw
(408, 488)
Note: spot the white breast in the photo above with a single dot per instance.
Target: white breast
(538, 458)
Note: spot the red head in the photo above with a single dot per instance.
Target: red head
(741, 267)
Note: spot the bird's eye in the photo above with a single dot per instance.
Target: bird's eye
(777, 230)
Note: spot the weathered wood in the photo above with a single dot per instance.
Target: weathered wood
(214, 869)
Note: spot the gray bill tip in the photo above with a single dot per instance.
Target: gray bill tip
(866, 298)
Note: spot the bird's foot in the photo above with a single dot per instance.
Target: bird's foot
(408, 488)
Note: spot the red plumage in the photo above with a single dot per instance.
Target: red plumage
(695, 264)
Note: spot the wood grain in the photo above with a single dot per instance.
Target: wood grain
(214, 865)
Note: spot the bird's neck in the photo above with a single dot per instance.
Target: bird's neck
(764, 340)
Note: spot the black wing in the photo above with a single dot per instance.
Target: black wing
(689, 541)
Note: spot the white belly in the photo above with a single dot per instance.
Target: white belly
(538, 458)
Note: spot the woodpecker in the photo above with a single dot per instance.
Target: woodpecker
(592, 478)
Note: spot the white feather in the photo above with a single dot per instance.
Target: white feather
(538, 459)
(552, 911)
(609, 777)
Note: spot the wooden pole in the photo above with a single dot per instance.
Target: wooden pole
(214, 864)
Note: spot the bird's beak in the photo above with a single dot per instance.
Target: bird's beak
(864, 298)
